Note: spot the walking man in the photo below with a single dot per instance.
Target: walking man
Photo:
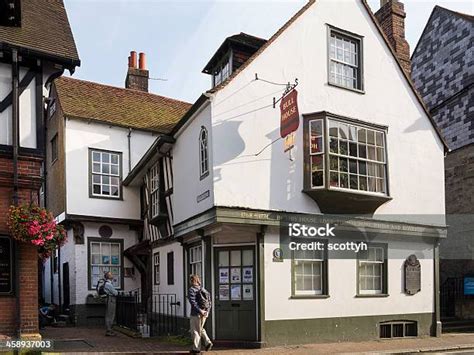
(200, 300)
(111, 303)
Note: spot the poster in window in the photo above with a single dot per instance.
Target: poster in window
(235, 275)
(95, 270)
(105, 259)
(115, 259)
(235, 292)
(223, 275)
(248, 274)
(247, 292)
(223, 292)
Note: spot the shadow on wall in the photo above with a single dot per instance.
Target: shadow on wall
(226, 136)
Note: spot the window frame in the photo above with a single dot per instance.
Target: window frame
(384, 273)
(227, 59)
(360, 71)
(91, 240)
(326, 117)
(192, 263)
(54, 149)
(155, 195)
(295, 294)
(156, 268)
(170, 271)
(119, 176)
(203, 149)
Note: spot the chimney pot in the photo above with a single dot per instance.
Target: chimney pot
(133, 58)
(142, 61)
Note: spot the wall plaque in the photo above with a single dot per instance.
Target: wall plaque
(6, 266)
(412, 275)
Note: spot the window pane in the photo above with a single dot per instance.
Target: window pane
(363, 183)
(353, 149)
(370, 152)
(371, 137)
(96, 189)
(333, 128)
(343, 147)
(247, 257)
(235, 258)
(344, 180)
(114, 169)
(96, 168)
(317, 179)
(223, 258)
(353, 166)
(334, 179)
(115, 159)
(333, 146)
(362, 151)
(379, 139)
(334, 163)
(343, 131)
(96, 156)
(343, 165)
(105, 169)
(362, 135)
(105, 157)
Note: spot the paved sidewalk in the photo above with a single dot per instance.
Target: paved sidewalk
(93, 340)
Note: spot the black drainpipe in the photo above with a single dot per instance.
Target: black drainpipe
(129, 136)
(15, 143)
(15, 123)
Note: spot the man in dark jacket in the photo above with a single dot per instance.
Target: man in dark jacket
(199, 314)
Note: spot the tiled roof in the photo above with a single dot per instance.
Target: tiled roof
(120, 107)
(44, 29)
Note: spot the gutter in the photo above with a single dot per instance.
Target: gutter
(69, 63)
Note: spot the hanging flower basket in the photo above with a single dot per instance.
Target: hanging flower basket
(35, 225)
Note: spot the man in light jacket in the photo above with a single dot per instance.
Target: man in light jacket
(111, 303)
(198, 316)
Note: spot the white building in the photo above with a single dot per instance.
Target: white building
(365, 147)
(96, 135)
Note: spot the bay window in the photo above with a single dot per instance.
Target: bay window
(345, 158)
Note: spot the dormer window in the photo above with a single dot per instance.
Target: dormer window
(222, 71)
(346, 164)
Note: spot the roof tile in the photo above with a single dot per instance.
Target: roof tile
(118, 106)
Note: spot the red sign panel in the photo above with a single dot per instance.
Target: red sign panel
(290, 117)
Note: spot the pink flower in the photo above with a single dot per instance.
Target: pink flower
(50, 236)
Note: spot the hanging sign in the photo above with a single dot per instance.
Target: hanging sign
(290, 117)
(289, 141)
(6, 266)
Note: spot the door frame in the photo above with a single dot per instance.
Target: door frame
(257, 266)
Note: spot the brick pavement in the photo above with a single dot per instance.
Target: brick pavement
(95, 341)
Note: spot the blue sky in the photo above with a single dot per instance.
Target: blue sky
(179, 37)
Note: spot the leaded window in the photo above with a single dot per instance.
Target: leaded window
(156, 266)
(345, 60)
(105, 173)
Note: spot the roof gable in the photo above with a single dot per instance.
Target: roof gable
(121, 107)
(379, 30)
(44, 30)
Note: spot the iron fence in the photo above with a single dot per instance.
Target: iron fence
(154, 316)
(450, 291)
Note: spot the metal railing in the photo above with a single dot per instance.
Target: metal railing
(152, 317)
(164, 320)
(450, 291)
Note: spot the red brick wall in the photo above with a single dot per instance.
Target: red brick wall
(391, 18)
(29, 180)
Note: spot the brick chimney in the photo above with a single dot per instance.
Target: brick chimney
(137, 75)
(391, 17)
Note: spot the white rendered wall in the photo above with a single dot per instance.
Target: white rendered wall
(342, 281)
(270, 181)
(177, 287)
(27, 109)
(80, 136)
(187, 185)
